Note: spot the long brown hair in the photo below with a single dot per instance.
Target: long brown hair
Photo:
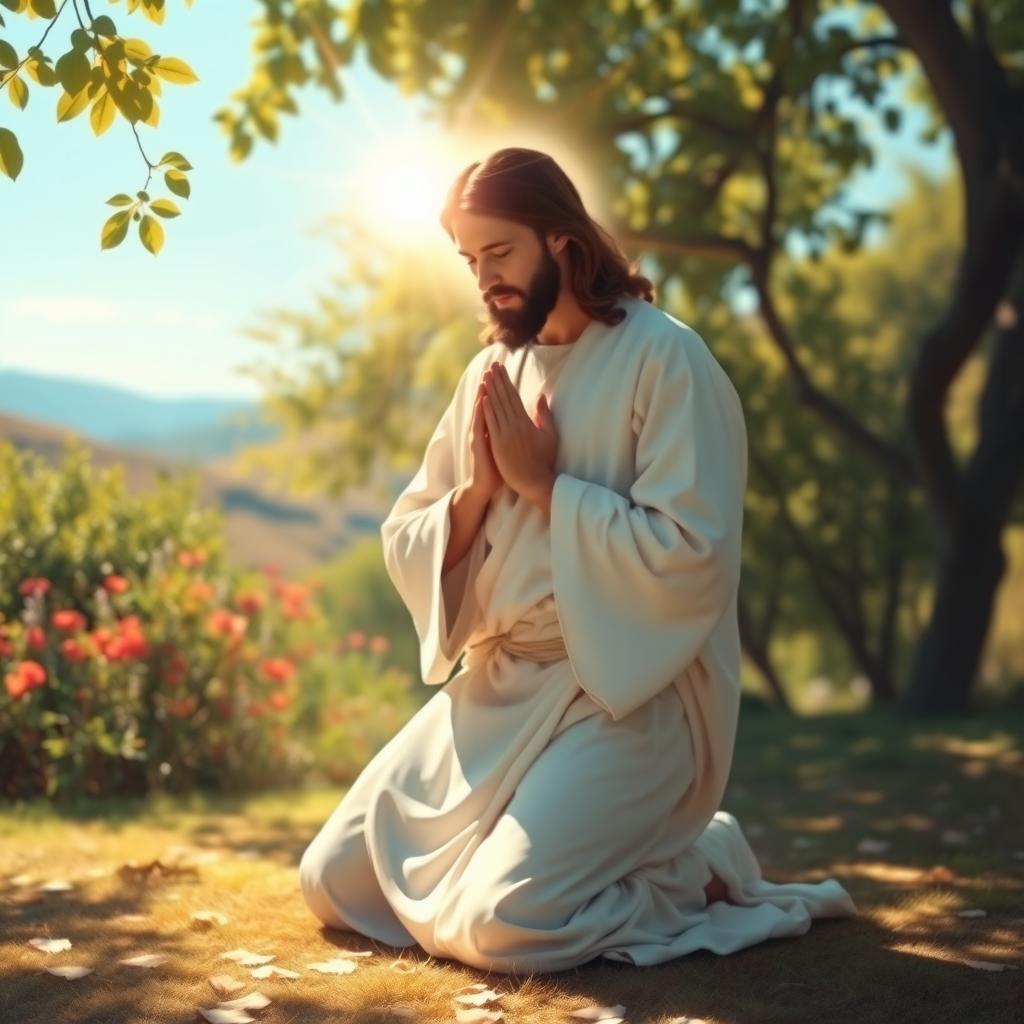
(528, 187)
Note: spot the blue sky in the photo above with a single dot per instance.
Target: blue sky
(170, 325)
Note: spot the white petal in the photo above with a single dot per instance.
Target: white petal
(51, 945)
(987, 965)
(146, 960)
(208, 917)
(224, 983)
(251, 1001)
(481, 998)
(57, 885)
(245, 958)
(270, 970)
(974, 912)
(402, 966)
(215, 1015)
(69, 972)
(478, 1015)
(338, 965)
(594, 1012)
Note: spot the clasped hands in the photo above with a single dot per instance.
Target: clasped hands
(523, 448)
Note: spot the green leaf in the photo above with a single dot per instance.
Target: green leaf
(44, 8)
(81, 40)
(120, 200)
(8, 55)
(115, 229)
(73, 71)
(178, 184)
(172, 69)
(104, 26)
(892, 117)
(151, 233)
(176, 160)
(11, 157)
(165, 208)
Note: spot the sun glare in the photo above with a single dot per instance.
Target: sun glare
(400, 185)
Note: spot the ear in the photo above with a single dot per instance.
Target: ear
(556, 243)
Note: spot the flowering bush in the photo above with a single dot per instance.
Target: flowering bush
(134, 657)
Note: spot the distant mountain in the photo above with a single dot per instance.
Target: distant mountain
(261, 526)
(197, 429)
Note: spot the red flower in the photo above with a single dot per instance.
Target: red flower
(115, 584)
(250, 601)
(73, 650)
(26, 676)
(279, 701)
(129, 642)
(33, 585)
(68, 619)
(36, 638)
(356, 639)
(379, 643)
(6, 647)
(190, 558)
(223, 620)
(278, 670)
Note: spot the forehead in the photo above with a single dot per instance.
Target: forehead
(474, 232)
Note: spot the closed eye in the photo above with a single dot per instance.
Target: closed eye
(498, 255)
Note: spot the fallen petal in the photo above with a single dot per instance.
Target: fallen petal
(205, 918)
(69, 972)
(594, 1012)
(50, 945)
(270, 970)
(478, 1015)
(224, 983)
(251, 1001)
(245, 958)
(972, 913)
(336, 966)
(57, 885)
(402, 966)
(215, 1015)
(146, 960)
(987, 965)
(479, 998)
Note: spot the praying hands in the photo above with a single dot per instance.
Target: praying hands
(523, 448)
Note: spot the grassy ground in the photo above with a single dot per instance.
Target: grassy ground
(947, 799)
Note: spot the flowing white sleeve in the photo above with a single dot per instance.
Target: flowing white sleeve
(640, 582)
(415, 537)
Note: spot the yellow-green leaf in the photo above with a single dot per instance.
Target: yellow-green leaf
(69, 106)
(44, 8)
(115, 229)
(18, 91)
(151, 233)
(11, 157)
(172, 69)
(41, 72)
(121, 199)
(178, 184)
(137, 49)
(164, 208)
(176, 160)
(153, 117)
(101, 116)
(8, 55)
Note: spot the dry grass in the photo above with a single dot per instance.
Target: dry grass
(816, 789)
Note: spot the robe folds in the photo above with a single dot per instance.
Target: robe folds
(559, 798)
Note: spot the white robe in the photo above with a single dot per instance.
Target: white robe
(536, 814)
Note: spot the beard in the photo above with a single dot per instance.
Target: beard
(516, 326)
